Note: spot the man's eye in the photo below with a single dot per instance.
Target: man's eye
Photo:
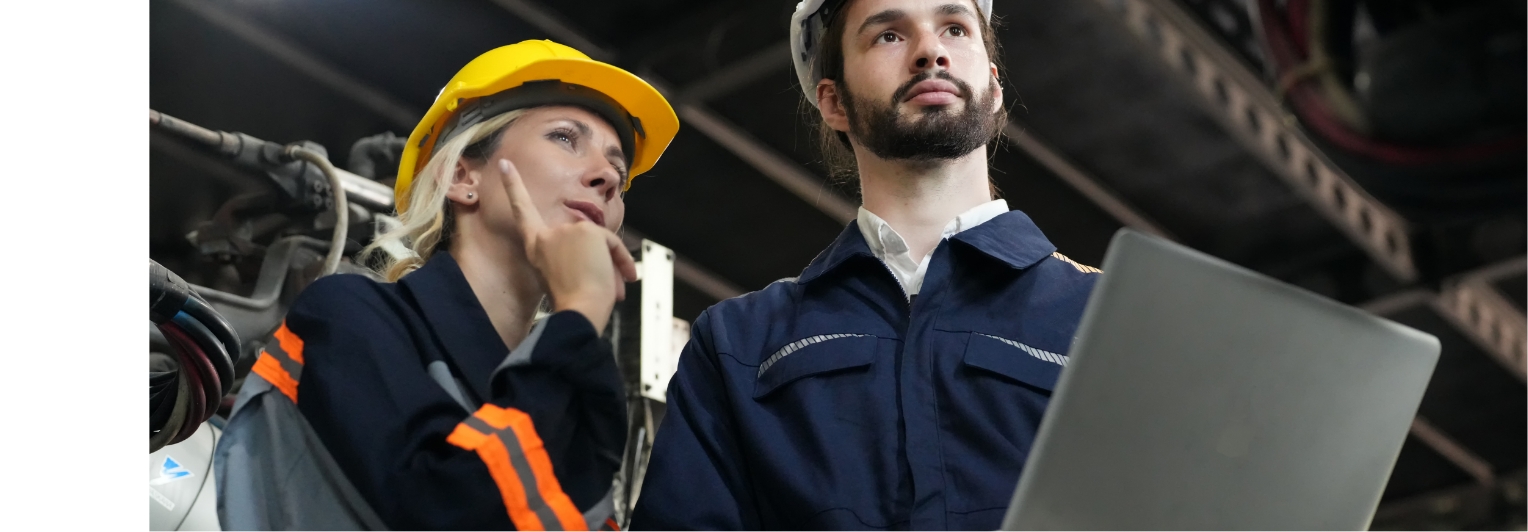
(886, 37)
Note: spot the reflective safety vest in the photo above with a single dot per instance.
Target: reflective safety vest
(357, 419)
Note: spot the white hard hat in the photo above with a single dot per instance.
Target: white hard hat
(807, 24)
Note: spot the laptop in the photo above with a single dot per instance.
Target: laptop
(1200, 395)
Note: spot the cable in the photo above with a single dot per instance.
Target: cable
(1312, 110)
(204, 393)
(341, 206)
(178, 415)
(217, 356)
(199, 309)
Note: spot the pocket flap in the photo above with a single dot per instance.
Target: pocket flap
(814, 356)
(1015, 360)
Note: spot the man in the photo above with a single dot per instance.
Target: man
(900, 380)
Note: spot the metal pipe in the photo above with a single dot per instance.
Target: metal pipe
(185, 129)
(341, 207)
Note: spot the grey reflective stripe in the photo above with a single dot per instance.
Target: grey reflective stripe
(521, 354)
(798, 344)
(292, 367)
(597, 514)
(522, 467)
(442, 376)
(1037, 353)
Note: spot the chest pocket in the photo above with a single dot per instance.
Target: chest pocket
(812, 356)
(1014, 360)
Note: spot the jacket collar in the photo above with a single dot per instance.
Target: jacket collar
(1011, 238)
(460, 324)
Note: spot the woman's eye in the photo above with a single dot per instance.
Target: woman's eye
(957, 31)
(561, 136)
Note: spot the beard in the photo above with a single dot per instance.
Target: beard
(933, 133)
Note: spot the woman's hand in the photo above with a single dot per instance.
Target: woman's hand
(583, 266)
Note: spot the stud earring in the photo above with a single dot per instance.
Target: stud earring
(469, 195)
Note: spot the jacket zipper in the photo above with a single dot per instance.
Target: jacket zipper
(897, 368)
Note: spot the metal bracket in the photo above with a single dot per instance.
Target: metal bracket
(1244, 105)
(659, 359)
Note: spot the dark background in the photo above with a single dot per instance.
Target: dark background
(1123, 119)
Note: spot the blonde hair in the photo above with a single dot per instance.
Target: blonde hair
(426, 226)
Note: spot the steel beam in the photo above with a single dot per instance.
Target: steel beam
(776, 167)
(295, 56)
(1473, 305)
(1451, 450)
(686, 270)
(739, 73)
(1082, 182)
(378, 101)
(1244, 105)
(779, 168)
(553, 25)
(1478, 309)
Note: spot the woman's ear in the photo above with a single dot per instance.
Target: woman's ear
(464, 184)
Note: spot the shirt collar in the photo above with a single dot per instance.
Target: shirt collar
(460, 324)
(884, 240)
(1010, 237)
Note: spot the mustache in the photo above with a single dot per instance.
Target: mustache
(965, 89)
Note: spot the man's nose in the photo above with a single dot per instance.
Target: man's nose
(930, 53)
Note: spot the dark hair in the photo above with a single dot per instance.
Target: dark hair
(837, 154)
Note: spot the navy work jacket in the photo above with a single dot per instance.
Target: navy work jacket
(434, 421)
(830, 402)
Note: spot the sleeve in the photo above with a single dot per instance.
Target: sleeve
(586, 432)
(696, 479)
(403, 441)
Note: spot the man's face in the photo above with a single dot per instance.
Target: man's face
(917, 81)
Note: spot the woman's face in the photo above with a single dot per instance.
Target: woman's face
(571, 163)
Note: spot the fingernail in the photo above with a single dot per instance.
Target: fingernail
(504, 165)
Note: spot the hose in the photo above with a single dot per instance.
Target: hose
(341, 206)
(199, 388)
(217, 356)
(202, 345)
(199, 309)
(178, 414)
(1315, 112)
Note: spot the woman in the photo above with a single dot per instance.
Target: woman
(431, 402)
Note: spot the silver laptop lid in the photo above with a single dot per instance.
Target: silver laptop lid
(1201, 395)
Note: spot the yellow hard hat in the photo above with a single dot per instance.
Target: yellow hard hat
(533, 73)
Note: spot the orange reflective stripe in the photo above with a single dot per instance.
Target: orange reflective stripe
(270, 369)
(281, 362)
(506, 441)
(289, 342)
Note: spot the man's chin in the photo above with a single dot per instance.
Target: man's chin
(918, 109)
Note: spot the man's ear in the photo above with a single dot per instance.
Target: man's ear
(997, 89)
(464, 184)
(832, 106)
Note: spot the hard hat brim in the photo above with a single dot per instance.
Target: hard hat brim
(639, 99)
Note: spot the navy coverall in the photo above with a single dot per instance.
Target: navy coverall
(830, 402)
(550, 420)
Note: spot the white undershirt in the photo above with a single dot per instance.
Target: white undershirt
(892, 249)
